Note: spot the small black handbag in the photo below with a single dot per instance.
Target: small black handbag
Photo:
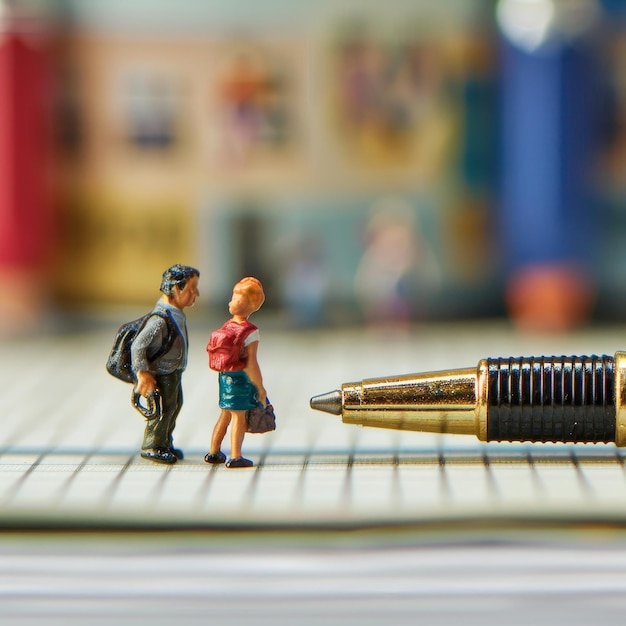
(261, 420)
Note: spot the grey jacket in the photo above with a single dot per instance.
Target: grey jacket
(153, 335)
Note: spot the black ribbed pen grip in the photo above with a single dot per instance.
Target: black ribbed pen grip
(551, 399)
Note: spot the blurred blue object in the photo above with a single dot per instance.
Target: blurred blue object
(548, 119)
(548, 126)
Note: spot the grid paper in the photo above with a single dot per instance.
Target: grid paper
(69, 446)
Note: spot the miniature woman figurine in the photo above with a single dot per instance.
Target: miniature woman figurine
(233, 353)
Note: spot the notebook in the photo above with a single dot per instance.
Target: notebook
(70, 440)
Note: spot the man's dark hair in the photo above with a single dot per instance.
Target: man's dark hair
(177, 276)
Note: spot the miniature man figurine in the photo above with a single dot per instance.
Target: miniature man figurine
(156, 369)
(233, 353)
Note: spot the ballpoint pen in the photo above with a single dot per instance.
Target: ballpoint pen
(537, 399)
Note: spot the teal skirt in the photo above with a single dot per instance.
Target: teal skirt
(237, 392)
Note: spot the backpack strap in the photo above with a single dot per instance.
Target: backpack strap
(171, 333)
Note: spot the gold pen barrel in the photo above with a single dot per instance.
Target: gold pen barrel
(437, 402)
(537, 399)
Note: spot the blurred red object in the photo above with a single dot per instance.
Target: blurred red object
(550, 298)
(25, 204)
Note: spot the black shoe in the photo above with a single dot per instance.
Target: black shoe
(215, 459)
(239, 462)
(178, 453)
(159, 455)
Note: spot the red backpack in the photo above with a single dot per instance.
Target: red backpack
(225, 347)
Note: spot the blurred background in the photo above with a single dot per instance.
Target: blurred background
(376, 164)
(370, 162)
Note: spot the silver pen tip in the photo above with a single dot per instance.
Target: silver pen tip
(328, 402)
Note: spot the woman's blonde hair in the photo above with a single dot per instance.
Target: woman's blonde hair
(254, 291)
